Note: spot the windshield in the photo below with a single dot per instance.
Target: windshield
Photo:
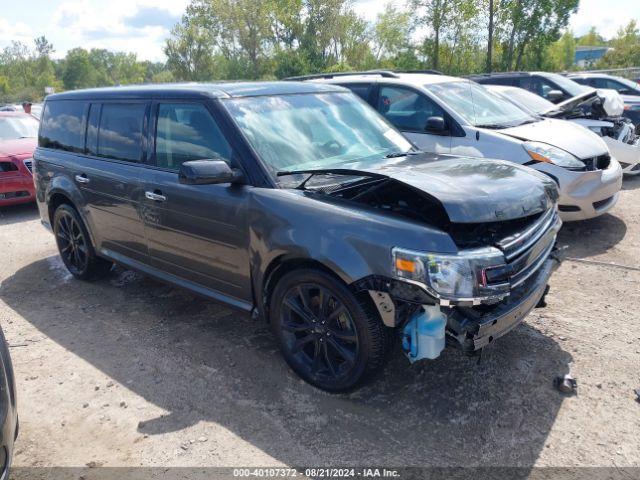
(628, 83)
(572, 88)
(479, 106)
(310, 131)
(18, 127)
(528, 100)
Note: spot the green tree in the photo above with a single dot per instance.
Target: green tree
(78, 71)
(591, 39)
(391, 32)
(533, 22)
(625, 50)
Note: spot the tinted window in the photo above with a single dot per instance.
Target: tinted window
(537, 85)
(120, 133)
(188, 132)
(360, 89)
(407, 109)
(63, 126)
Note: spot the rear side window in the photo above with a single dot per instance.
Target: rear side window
(63, 126)
(120, 132)
(188, 132)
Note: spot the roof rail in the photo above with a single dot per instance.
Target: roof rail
(496, 74)
(382, 73)
(427, 71)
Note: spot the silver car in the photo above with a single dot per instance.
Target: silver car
(452, 115)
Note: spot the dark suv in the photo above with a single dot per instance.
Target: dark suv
(299, 203)
(554, 87)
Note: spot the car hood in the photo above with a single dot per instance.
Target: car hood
(574, 102)
(18, 146)
(562, 134)
(471, 190)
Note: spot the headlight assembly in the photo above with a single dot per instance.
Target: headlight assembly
(543, 152)
(474, 276)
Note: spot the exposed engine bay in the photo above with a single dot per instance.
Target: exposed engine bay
(601, 113)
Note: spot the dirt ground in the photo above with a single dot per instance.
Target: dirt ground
(129, 372)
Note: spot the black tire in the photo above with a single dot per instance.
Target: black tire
(336, 347)
(74, 245)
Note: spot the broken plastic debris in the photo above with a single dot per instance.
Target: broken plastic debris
(566, 384)
(637, 392)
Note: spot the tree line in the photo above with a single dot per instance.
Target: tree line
(271, 39)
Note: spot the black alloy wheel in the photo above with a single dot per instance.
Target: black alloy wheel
(326, 334)
(74, 245)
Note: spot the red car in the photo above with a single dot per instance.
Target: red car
(18, 138)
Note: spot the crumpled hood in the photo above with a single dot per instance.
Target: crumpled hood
(562, 134)
(473, 190)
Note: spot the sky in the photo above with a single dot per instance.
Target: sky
(141, 26)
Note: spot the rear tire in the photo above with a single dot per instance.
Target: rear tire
(329, 337)
(74, 245)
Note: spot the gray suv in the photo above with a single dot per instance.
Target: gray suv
(299, 203)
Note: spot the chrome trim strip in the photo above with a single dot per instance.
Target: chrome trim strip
(529, 237)
(523, 275)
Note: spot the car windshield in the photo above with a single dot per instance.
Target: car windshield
(528, 100)
(19, 126)
(572, 88)
(314, 131)
(479, 106)
(628, 83)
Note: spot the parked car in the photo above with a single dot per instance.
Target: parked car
(552, 86)
(628, 89)
(8, 409)
(299, 203)
(18, 132)
(617, 132)
(452, 115)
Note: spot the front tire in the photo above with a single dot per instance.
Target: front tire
(329, 337)
(74, 245)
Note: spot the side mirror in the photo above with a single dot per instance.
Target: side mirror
(436, 125)
(555, 95)
(208, 172)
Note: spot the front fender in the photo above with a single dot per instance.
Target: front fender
(351, 241)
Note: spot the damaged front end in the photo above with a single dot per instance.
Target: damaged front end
(487, 293)
(503, 221)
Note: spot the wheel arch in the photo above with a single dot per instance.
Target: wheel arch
(280, 266)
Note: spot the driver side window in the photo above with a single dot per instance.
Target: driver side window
(186, 131)
(407, 109)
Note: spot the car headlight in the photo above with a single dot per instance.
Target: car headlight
(633, 107)
(543, 152)
(476, 276)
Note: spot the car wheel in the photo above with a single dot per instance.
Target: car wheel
(74, 245)
(326, 334)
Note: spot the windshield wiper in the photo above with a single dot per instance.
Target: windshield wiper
(493, 126)
(403, 154)
(327, 171)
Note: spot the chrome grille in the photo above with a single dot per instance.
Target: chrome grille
(526, 251)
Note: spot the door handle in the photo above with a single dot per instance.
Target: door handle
(156, 197)
(82, 178)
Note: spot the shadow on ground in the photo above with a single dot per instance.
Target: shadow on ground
(201, 361)
(631, 183)
(18, 213)
(588, 238)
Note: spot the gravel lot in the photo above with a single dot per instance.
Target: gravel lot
(129, 372)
